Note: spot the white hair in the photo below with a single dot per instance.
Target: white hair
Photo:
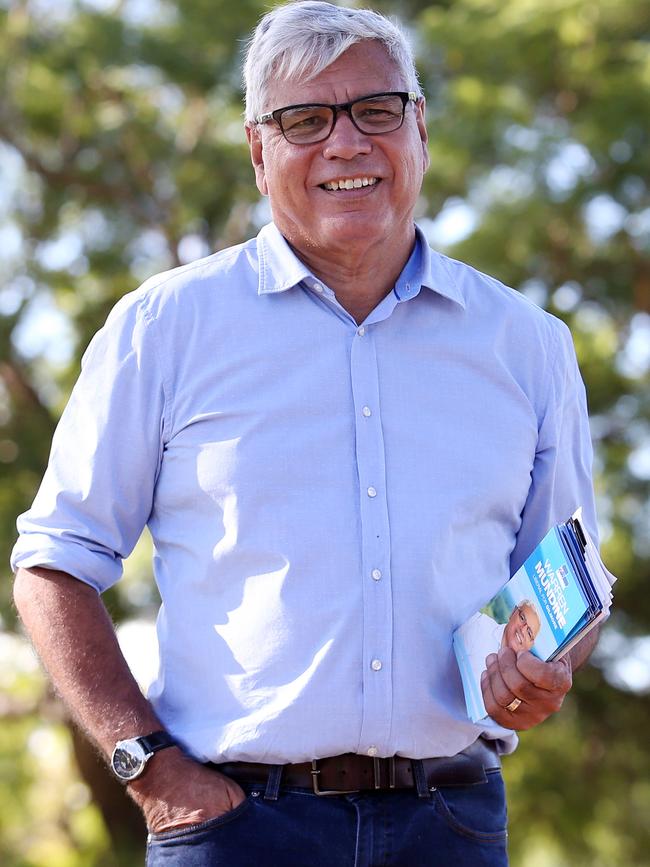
(300, 39)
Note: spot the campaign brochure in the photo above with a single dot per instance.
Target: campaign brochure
(560, 592)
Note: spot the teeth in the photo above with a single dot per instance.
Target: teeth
(350, 183)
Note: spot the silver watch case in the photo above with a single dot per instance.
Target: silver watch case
(129, 759)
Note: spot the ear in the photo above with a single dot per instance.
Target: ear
(256, 148)
(420, 110)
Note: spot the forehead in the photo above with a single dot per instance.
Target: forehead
(364, 68)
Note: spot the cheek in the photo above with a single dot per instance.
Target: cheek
(411, 170)
(288, 183)
(278, 167)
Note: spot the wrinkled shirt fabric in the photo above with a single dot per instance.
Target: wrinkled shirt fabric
(327, 500)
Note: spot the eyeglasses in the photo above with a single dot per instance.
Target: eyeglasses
(309, 123)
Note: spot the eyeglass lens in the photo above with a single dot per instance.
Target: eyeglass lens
(311, 123)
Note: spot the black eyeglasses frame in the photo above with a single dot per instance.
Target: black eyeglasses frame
(346, 107)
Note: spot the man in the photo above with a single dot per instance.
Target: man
(522, 627)
(341, 441)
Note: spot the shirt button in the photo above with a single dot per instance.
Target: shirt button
(361, 331)
(372, 492)
(376, 665)
(372, 751)
(318, 288)
(376, 574)
(367, 411)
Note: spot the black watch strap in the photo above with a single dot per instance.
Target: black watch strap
(156, 741)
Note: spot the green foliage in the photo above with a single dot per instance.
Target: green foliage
(122, 153)
(47, 815)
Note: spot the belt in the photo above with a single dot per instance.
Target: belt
(337, 775)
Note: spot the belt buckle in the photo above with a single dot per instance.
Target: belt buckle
(315, 771)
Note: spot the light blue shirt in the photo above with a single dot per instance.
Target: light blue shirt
(327, 501)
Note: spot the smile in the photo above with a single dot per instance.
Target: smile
(350, 183)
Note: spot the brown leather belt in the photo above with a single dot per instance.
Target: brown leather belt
(338, 775)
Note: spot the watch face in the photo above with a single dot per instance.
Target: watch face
(128, 759)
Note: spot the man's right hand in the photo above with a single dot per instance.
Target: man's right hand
(175, 791)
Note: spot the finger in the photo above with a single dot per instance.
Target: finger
(515, 683)
(499, 688)
(519, 719)
(503, 681)
(202, 795)
(550, 676)
(505, 675)
(234, 791)
(541, 700)
(507, 684)
(530, 679)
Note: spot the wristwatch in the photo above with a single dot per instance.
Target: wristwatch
(130, 756)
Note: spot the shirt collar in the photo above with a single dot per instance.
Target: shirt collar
(280, 268)
(436, 272)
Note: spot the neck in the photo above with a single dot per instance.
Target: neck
(360, 278)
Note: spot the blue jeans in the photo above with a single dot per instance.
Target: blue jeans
(463, 825)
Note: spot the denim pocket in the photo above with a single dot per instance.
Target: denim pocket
(477, 811)
(186, 832)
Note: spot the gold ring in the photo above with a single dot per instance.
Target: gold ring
(514, 704)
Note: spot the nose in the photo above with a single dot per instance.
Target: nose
(345, 141)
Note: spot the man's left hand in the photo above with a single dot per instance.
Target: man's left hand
(539, 686)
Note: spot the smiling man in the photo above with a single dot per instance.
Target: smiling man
(343, 181)
(341, 442)
(522, 627)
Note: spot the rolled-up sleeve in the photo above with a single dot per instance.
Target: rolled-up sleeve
(96, 495)
(561, 478)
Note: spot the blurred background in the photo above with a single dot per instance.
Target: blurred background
(122, 153)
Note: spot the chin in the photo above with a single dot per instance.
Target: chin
(351, 228)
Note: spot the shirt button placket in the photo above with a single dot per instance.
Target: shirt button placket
(375, 541)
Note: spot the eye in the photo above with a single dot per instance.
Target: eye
(522, 616)
(307, 119)
(374, 111)
(306, 122)
(376, 114)
(379, 112)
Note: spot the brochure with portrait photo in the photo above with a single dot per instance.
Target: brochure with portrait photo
(560, 592)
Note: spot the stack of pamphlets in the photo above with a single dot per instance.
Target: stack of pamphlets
(561, 592)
